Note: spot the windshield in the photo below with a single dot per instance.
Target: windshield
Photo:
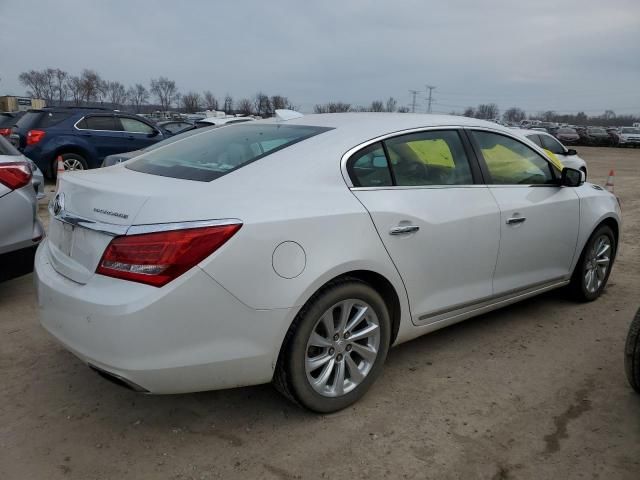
(211, 154)
(631, 130)
(566, 130)
(599, 131)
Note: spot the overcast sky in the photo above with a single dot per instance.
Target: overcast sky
(563, 55)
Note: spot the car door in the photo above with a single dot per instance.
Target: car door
(103, 133)
(138, 134)
(438, 222)
(539, 220)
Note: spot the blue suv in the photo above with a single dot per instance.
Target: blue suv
(82, 136)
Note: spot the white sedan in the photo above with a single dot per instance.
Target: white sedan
(567, 156)
(299, 251)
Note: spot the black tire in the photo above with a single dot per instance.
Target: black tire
(69, 158)
(578, 285)
(632, 353)
(290, 377)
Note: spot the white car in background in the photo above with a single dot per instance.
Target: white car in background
(628, 136)
(299, 251)
(567, 156)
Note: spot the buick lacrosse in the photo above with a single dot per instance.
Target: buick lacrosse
(297, 250)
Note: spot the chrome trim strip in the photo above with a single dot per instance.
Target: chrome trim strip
(114, 230)
(494, 301)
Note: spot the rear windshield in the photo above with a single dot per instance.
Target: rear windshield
(598, 130)
(6, 148)
(214, 153)
(41, 119)
(566, 130)
(630, 130)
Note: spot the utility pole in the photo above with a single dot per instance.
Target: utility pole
(430, 98)
(413, 102)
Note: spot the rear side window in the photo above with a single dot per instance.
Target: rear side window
(208, 155)
(99, 122)
(369, 167)
(132, 125)
(50, 119)
(28, 120)
(429, 158)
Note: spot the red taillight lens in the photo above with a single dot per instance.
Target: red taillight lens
(157, 258)
(5, 132)
(34, 136)
(15, 174)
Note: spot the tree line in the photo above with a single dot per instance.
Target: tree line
(58, 87)
(516, 115)
(391, 105)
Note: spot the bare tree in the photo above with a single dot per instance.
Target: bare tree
(165, 91)
(93, 87)
(245, 106)
(262, 105)
(191, 102)
(228, 104)
(332, 107)
(487, 111)
(210, 101)
(278, 102)
(35, 83)
(404, 110)
(609, 115)
(392, 103)
(138, 95)
(377, 106)
(514, 115)
(116, 93)
(62, 88)
(75, 87)
(469, 112)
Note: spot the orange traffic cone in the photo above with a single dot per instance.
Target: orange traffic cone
(59, 170)
(609, 185)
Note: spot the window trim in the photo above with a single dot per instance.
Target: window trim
(476, 170)
(485, 169)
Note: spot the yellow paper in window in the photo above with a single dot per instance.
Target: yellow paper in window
(554, 160)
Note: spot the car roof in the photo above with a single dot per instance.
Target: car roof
(368, 125)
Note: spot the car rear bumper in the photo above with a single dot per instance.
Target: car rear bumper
(189, 335)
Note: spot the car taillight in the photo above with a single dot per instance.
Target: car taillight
(159, 257)
(5, 132)
(15, 174)
(34, 136)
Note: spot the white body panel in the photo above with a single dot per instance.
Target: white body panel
(222, 323)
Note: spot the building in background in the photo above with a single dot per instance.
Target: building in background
(20, 104)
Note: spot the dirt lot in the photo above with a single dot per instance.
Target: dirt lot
(533, 391)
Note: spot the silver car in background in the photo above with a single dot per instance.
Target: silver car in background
(20, 229)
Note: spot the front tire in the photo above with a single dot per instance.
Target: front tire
(335, 348)
(594, 267)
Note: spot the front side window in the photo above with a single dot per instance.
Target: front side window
(510, 162)
(212, 153)
(553, 145)
(132, 125)
(369, 167)
(429, 158)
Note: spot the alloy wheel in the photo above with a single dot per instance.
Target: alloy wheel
(597, 264)
(71, 164)
(342, 348)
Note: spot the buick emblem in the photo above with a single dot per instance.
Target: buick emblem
(58, 204)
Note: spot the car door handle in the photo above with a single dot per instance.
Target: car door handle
(516, 220)
(404, 229)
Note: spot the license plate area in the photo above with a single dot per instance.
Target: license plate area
(61, 235)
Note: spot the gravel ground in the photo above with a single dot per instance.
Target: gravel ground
(536, 390)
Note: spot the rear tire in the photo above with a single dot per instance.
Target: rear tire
(592, 272)
(72, 162)
(335, 348)
(632, 353)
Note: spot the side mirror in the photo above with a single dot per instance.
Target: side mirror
(155, 133)
(571, 151)
(571, 177)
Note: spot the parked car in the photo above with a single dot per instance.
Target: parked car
(567, 135)
(595, 136)
(122, 157)
(568, 157)
(219, 121)
(7, 121)
(632, 353)
(629, 136)
(82, 136)
(614, 137)
(299, 251)
(177, 126)
(20, 229)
